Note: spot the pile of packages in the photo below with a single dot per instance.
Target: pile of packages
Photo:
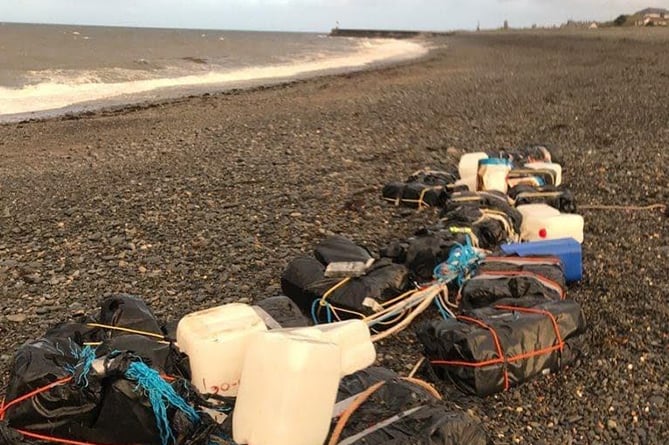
(490, 276)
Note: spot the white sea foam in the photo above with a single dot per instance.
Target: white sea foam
(85, 87)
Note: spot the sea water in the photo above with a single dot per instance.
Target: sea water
(53, 69)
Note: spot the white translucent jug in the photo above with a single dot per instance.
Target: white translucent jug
(287, 392)
(556, 168)
(216, 341)
(352, 336)
(543, 222)
(492, 173)
(468, 168)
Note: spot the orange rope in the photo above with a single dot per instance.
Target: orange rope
(352, 408)
(503, 360)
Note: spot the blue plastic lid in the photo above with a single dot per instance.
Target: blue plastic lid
(494, 161)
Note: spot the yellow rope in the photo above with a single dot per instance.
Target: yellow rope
(661, 207)
(128, 330)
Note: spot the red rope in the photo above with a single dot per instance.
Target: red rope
(502, 359)
(4, 407)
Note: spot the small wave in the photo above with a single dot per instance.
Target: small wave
(198, 60)
(63, 89)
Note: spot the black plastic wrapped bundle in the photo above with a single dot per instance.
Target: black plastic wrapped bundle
(304, 281)
(488, 350)
(557, 197)
(402, 412)
(549, 267)
(485, 289)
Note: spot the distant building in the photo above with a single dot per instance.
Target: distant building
(652, 17)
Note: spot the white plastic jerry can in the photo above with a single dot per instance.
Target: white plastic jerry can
(543, 222)
(216, 341)
(352, 336)
(288, 389)
(468, 168)
(556, 168)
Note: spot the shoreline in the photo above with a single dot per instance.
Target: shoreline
(171, 93)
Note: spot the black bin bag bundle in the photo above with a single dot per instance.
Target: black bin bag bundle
(549, 267)
(422, 252)
(384, 409)
(104, 385)
(488, 228)
(488, 214)
(111, 405)
(486, 288)
(529, 153)
(558, 197)
(489, 350)
(424, 188)
(304, 281)
(414, 194)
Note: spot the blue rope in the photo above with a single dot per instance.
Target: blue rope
(161, 394)
(84, 364)
(461, 261)
(314, 312)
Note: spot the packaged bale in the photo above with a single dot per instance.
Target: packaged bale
(77, 393)
(549, 267)
(488, 350)
(422, 252)
(414, 194)
(488, 228)
(129, 312)
(284, 312)
(383, 408)
(343, 297)
(529, 153)
(486, 288)
(423, 188)
(558, 197)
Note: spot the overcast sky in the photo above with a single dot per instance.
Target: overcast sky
(317, 15)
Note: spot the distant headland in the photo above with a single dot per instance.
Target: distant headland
(382, 33)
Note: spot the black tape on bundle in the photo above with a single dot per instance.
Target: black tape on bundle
(557, 197)
(488, 350)
(400, 412)
(546, 266)
(485, 289)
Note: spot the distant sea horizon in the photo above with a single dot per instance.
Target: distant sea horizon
(52, 69)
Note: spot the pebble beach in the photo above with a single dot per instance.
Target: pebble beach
(201, 201)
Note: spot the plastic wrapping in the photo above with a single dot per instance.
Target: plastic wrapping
(304, 282)
(558, 197)
(487, 288)
(488, 350)
(546, 266)
(414, 194)
(426, 421)
(489, 228)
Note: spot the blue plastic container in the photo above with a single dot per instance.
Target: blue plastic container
(567, 249)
